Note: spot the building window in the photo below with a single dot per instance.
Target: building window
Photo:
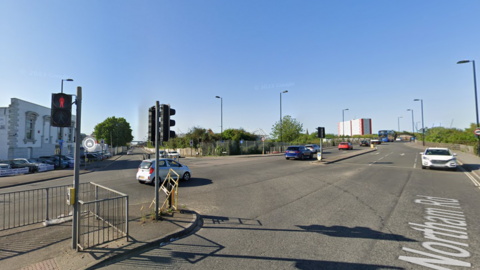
(30, 119)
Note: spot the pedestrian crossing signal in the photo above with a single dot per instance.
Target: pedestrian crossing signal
(61, 113)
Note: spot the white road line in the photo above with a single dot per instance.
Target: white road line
(474, 181)
(415, 162)
(402, 154)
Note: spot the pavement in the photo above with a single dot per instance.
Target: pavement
(37, 247)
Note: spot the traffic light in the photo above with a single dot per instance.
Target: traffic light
(166, 123)
(61, 113)
(321, 132)
(151, 124)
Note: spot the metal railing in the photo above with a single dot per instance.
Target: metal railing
(103, 216)
(21, 208)
(103, 212)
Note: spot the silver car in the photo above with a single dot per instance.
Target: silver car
(146, 171)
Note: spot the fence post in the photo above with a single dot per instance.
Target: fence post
(96, 203)
(126, 217)
(46, 214)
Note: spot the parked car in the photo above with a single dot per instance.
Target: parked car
(32, 164)
(298, 152)
(345, 146)
(146, 171)
(90, 157)
(18, 164)
(436, 157)
(4, 166)
(54, 161)
(365, 143)
(107, 155)
(314, 148)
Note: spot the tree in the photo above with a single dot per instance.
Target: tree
(234, 134)
(290, 129)
(116, 129)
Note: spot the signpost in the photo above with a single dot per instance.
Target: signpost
(263, 143)
(477, 131)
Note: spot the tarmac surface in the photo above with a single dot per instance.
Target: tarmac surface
(50, 248)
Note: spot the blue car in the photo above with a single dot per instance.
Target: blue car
(298, 152)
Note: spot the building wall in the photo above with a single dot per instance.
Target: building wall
(28, 133)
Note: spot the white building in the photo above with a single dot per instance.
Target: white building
(25, 132)
(362, 126)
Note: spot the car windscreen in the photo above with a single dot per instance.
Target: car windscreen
(292, 148)
(438, 152)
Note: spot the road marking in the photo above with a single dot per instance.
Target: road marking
(439, 221)
(474, 181)
(402, 154)
(415, 162)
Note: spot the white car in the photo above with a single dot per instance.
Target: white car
(173, 154)
(436, 157)
(146, 171)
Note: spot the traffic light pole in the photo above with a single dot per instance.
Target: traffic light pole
(76, 178)
(157, 140)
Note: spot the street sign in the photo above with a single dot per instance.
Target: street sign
(191, 143)
(241, 141)
(102, 141)
(263, 139)
(477, 131)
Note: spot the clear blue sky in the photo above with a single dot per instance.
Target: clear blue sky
(372, 57)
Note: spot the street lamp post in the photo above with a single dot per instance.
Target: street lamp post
(423, 127)
(281, 121)
(343, 123)
(61, 132)
(476, 100)
(413, 121)
(221, 117)
(399, 122)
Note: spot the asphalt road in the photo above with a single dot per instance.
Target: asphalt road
(366, 212)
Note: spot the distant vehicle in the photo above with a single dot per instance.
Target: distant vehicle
(32, 164)
(146, 170)
(365, 143)
(4, 166)
(345, 146)
(298, 152)
(314, 148)
(387, 135)
(436, 157)
(173, 154)
(375, 141)
(398, 139)
(129, 151)
(90, 157)
(107, 155)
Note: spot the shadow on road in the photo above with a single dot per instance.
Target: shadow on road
(195, 182)
(355, 232)
(471, 167)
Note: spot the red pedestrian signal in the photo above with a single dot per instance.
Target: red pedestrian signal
(61, 114)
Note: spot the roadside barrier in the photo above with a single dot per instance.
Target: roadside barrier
(103, 212)
(103, 216)
(8, 172)
(170, 188)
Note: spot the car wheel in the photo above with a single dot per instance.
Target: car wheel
(302, 157)
(287, 158)
(186, 176)
(141, 182)
(423, 167)
(311, 156)
(453, 169)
